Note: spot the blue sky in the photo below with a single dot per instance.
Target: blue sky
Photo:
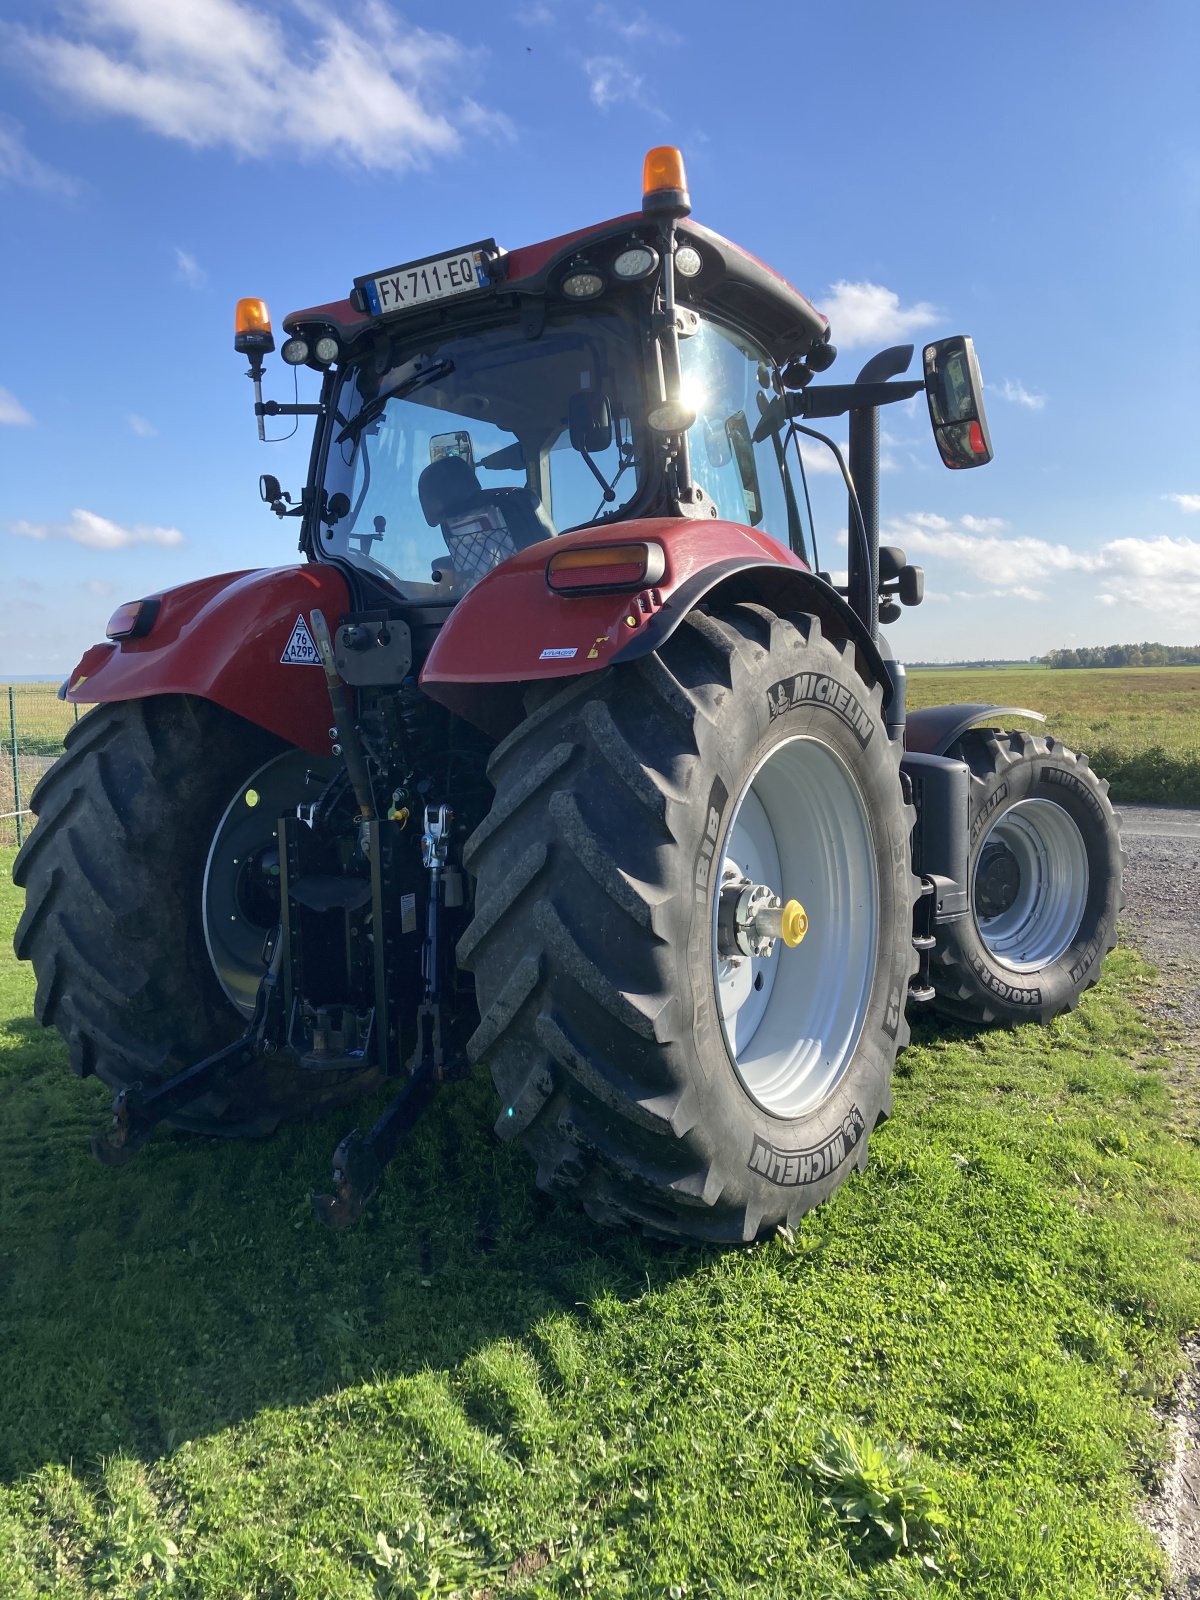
(1028, 173)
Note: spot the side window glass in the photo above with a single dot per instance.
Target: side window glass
(729, 382)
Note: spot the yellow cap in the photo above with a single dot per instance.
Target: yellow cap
(793, 923)
(664, 182)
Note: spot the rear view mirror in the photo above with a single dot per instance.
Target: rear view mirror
(589, 421)
(954, 391)
(452, 444)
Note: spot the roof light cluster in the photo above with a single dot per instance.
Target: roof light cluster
(633, 263)
(321, 352)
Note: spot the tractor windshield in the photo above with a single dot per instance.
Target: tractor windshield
(451, 450)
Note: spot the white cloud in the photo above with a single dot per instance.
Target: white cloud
(820, 459)
(1134, 572)
(143, 429)
(188, 270)
(12, 411)
(1185, 502)
(301, 79)
(98, 587)
(867, 313)
(635, 27)
(537, 15)
(96, 532)
(1019, 395)
(20, 167)
(610, 81)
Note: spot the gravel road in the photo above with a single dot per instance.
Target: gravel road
(1162, 919)
(1162, 889)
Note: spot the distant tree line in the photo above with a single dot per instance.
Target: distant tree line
(1125, 655)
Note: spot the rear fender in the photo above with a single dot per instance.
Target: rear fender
(512, 630)
(228, 639)
(932, 730)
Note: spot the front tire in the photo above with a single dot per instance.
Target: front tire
(665, 1082)
(1044, 878)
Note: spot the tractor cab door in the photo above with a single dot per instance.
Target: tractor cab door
(729, 382)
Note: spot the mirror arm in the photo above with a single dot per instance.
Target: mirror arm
(832, 399)
(273, 408)
(609, 492)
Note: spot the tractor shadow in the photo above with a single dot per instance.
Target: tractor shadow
(162, 1301)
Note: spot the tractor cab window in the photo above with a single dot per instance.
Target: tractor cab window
(729, 382)
(466, 448)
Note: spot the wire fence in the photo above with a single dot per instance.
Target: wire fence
(33, 725)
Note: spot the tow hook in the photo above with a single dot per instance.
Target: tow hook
(751, 916)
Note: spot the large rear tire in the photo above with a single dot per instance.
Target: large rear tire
(665, 1082)
(1045, 883)
(147, 899)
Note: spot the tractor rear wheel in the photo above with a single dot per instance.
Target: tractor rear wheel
(151, 884)
(1045, 883)
(651, 1063)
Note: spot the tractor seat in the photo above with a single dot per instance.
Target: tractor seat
(452, 496)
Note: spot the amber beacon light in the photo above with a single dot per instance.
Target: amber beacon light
(664, 183)
(252, 328)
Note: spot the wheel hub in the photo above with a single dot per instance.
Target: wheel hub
(997, 882)
(751, 916)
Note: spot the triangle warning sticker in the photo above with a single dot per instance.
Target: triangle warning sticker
(301, 651)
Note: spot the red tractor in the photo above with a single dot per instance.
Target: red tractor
(557, 753)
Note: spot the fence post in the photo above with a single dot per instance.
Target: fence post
(12, 729)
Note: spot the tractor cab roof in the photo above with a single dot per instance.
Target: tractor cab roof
(729, 283)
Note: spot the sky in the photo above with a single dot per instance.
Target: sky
(1026, 173)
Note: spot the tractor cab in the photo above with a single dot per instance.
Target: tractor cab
(482, 401)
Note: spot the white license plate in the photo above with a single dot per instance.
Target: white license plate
(403, 288)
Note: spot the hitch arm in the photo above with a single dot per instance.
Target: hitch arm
(137, 1112)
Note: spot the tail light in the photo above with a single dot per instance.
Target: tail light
(133, 620)
(594, 568)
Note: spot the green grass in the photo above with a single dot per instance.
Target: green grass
(1140, 726)
(942, 1385)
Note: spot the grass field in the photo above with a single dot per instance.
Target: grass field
(1140, 726)
(942, 1385)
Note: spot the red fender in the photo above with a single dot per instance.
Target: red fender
(512, 629)
(223, 639)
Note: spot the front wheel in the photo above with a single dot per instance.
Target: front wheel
(692, 934)
(1045, 883)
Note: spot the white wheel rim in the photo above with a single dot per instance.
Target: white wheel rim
(791, 1021)
(1051, 888)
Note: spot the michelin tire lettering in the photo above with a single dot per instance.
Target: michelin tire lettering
(816, 688)
(789, 1169)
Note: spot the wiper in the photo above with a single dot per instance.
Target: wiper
(373, 408)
